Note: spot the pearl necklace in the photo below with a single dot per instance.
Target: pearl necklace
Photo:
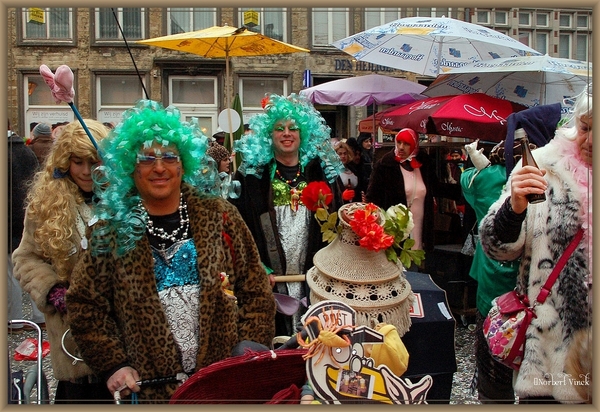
(184, 224)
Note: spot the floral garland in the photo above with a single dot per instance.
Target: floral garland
(391, 237)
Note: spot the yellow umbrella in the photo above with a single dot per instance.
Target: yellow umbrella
(223, 42)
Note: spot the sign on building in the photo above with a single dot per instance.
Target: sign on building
(251, 18)
(36, 15)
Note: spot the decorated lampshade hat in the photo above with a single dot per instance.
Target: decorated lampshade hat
(366, 280)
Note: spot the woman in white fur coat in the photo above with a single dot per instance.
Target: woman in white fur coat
(539, 234)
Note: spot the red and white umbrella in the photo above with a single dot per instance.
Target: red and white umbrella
(473, 116)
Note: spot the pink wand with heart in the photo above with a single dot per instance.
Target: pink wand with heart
(61, 85)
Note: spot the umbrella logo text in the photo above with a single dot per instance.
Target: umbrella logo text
(449, 129)
(406, 56)
(482, 112)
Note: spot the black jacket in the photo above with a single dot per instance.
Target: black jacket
(256, 198)
(386, 188)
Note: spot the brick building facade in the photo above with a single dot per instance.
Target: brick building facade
(106, 81)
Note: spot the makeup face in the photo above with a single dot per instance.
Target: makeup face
(584, 138)
(403, 149)
(224, 165)
(80, 170)
(286, 137)
(343, 154)
(158, 173)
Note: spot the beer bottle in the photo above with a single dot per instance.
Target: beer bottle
(528, 160)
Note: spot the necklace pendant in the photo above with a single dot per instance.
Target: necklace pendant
(294, 199)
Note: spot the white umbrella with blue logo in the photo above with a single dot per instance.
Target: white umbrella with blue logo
(428, 45)
(531, 81)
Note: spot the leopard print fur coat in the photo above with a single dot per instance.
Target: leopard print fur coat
(117, 318)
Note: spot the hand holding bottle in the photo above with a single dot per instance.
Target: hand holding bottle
(527, 184)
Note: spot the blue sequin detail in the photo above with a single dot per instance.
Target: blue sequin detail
(176, 266)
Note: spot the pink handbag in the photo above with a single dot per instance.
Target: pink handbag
(506, 324)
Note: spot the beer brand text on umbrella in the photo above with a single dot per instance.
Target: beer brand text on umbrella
(427, 45)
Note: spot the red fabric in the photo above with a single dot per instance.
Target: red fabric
(255, 377)
(289, 395)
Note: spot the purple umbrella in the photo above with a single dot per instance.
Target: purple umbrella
(365, 90)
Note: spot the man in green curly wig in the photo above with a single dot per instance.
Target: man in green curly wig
(172, 281)
(288, 148)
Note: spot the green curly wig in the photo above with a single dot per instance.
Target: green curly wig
(119, 204)
(256, 148)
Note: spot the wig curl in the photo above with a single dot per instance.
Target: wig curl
(119, 205)
(256, 148)
(52, 201)
(581, 108)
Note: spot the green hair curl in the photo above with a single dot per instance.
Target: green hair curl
(256, 148)
(119, 203)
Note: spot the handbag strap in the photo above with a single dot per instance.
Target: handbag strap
(541, 298)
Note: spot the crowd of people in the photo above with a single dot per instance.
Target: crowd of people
(141, 266)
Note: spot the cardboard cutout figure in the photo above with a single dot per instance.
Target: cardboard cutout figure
(336, 365)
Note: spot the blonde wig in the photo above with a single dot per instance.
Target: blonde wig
(53, 197)
(349, 150)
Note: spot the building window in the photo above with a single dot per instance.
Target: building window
(116, 93)
(196, 96)
(582, 47)
(582, 21)
(564, 20)
(501, 17)
(564, 46)
(181, 20)
(40, 105)
(525, 37)
(541, 19)
(272, 21)
(131, 21)
(377, 17)
(482, 17)
(50, 23)
(541, 42)
(433, 12)
(329, 25)
(524, 19)
(253, 89)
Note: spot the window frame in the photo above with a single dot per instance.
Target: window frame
(487, 15)
(95, 29)
(119, 108)
(285, 13)
(249, 110)
(22, 39)
(198, 110)
(381, 11)
(570, 17)
(191, 10)
(540, 14)
(48, 112)
(330, 38)
(498, 13)
(578, 36)
(587, 21)
(570, 38)
(537, 47)
(524, 14)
